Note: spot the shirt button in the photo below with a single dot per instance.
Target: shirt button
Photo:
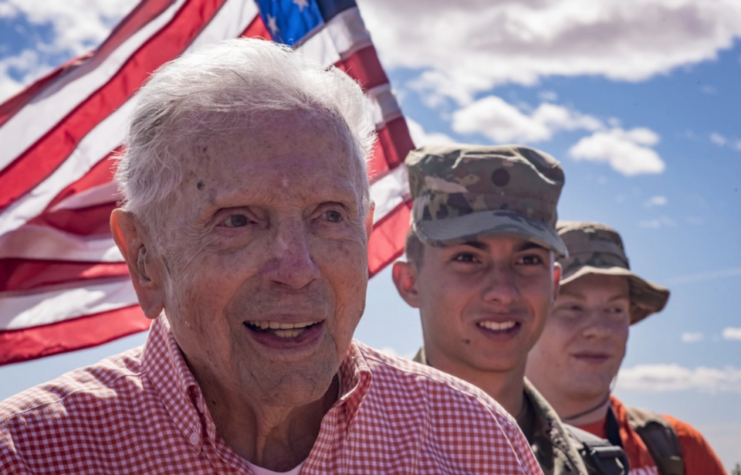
(194, 439)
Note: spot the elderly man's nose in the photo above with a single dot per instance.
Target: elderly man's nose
(290, 262)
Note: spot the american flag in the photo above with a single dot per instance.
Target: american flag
(63, 283)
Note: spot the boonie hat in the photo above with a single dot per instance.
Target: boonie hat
(461, 192)
(598, 249)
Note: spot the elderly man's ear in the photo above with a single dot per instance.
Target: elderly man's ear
(132, 239)
(405, 279)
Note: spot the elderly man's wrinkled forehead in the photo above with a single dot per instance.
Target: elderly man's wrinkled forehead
(219, 154)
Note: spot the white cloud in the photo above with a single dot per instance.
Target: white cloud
(627, 151)
(692, 337)
(548, 96)
(26, 65)
(7, 10)
(732, 333)
(469, 46)
(420, 137)
(718, 139)
(656, 201)
(502, 122)
(78, 24)
(708, 90)
(673, 377)
(657, 223)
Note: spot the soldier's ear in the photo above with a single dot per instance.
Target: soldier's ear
(404, 275)
(556, 279)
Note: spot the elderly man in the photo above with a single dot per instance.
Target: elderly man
(587, 334)
(481, 271)
(245, 229)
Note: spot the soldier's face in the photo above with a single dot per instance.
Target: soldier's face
(483, 303)
(587, 335)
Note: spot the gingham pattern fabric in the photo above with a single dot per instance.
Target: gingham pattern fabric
(143, 412)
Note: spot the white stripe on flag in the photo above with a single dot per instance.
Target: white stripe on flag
(389, 192)
(109, 133)
(338, 38)
(382, 104)
(43, 308)
(30, 123)
(233, 18)
(105, 137)
(98, 195)
(46, 243)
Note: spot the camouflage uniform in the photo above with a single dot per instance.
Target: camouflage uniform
(598, 249)
(462, 192)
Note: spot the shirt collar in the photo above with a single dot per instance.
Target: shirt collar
(166, 368)
(355, 382)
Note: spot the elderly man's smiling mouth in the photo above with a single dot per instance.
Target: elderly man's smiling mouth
(282, 334)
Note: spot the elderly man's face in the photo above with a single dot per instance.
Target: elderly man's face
(265, 250)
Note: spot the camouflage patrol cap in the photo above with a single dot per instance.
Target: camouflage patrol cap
(461, 192)
(598, 249)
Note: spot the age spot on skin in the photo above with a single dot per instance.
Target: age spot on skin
(467, 342)
(200, 185)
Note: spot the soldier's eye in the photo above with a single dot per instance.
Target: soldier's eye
(530, 260)
(464, 257)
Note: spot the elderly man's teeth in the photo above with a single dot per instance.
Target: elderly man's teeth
(494, 326)
(270, 325)
(288, 333)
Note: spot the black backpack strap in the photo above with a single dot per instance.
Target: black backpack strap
(599, 455)
(660, 439)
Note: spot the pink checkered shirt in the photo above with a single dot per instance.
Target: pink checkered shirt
(143, 412)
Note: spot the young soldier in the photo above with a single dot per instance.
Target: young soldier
(481, 271)
(587, 333)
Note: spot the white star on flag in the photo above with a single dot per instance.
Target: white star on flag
(272, 25)
(301, 4)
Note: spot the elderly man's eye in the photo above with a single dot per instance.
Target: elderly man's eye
(235, 221)
(333, 216)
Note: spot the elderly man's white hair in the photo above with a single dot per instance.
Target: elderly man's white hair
(213, 91)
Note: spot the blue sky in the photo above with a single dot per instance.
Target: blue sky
(639, 101)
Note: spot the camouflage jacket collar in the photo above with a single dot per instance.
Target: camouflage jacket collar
(552, 443)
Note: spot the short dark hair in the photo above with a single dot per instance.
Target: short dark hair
(414, 249)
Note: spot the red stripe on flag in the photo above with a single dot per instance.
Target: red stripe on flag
(26, 274)
(142, 14)
(70, 335)
(257, 29)
(391, 148)
(89, 221)
(41, 159)
(386, 243)
(364, 67)
(100, 174)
